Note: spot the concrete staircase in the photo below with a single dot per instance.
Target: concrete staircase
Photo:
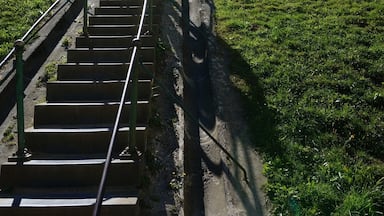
(71, 131)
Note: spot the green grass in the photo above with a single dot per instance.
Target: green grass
(16, 17)
(312, 77)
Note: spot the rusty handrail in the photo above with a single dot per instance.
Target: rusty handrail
(101, 191)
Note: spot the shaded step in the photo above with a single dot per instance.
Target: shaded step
(112, 41)
(77, 141)
(65, 91)
(119, 19)
(118, 30)
(64, 173)
(50, 114)
(123, 2)
(67, 202)
(117, 10)
(89, 71)
(112, 55)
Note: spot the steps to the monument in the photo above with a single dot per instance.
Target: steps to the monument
(72, 130)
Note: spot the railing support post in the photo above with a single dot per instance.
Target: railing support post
(85, 18)
(131, 151)
(22, 153)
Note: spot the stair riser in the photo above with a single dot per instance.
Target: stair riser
(123, 20)
(80, 143)
(124, 10)
(70, 211)
(122, 42)
(67, 175)
(98, 72)
(65, 92)
(118, 30)
(51, 115)
(123, 2)
(107, 56)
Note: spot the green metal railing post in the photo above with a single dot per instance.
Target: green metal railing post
(22, 153)
(85, 18)
(133, 111)
(131, 150)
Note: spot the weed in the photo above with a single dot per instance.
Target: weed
(50, 73)
(66, 42)
(8, 135)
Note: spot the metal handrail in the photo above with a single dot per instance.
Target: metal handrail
(29, 31)
(101, 191)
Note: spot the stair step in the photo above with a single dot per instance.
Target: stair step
(118, 30)
(118, 10)
(48, 114)
(112, 55)
(82, 140)
(112, 41)
(119, 19)
(122, 2)
(99, 72)
(66, 91)
(64, 173)
(67, 202)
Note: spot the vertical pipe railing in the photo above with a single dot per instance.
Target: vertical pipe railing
(85, 18)
(131, 147)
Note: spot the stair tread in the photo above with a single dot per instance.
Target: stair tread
(88, 103)
(80, 129)
(51, 197)
(92, 82)
(107, 48)
(67, 162)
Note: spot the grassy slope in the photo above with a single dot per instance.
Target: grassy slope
(16, 17)
(312, 76)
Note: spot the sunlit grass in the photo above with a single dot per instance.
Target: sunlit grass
(312, 77)
(16, 17)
